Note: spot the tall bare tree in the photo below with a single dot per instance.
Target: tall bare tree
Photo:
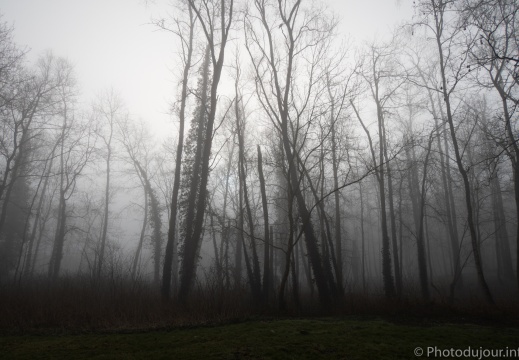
(184, 30)
(448, 34)
(109, 110)
(496, 22)
(275, 50)
(215, 19)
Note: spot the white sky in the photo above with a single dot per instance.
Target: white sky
(111, 44)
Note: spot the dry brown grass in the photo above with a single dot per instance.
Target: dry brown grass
(78, 304)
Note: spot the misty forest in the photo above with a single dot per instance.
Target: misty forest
(303, 173)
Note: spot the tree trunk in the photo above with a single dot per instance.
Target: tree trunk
(195, 194)
(326, 234)
(104, 230)
(503, 251)
(29, 255)
(422, 259)
(171, 245)
(255, 281)
(389, 287)
(335, 169)
(266, 249)
(280, 111)
(141, 238)
(464, 175)
(192, 242)
(450, 208)
(398, 272)
(514, 159)
(363, 240)
(59, 239)
(288, 254)
(41, 231)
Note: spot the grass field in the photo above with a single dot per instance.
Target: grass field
(327, 338)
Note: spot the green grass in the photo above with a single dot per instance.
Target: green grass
(278, 339)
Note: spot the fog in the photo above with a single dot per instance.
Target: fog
(277, 155)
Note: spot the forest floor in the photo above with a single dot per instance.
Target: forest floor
(318, 338)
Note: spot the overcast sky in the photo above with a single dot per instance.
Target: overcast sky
(111, 43)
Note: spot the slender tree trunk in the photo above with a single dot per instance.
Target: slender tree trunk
(141, 237)
(59, 239)
(224, 246)
(401, 224)
(271, 270)
(503, 251)
(215, 247)
(32, 236)
(459, 162)
(288, 254)
(256, 273)
(335, 170)
(389, 287)
(327, 246)
(241, 239)
(155, 220)
(226, 256)
(422, 258)
(363, 239)
(170, 252)
(104, 230)
(255, 281)
(398, 273)
(41, 230)
(157, 235)
(266, 249)
(295, 277)
(238, 257)
(428, 250)
(458, 270)
(450, 208)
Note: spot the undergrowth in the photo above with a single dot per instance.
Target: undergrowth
(79, 305)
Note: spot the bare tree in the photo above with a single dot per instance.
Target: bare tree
(216, 20)
(384, 80)
(24, 118)
(274, 52)
(254, 270)
(184, 30)
(76, 146)
(266, 235)
(425, 75)
(447, 34)
(136, 142)
(108, 109)
(496, 23)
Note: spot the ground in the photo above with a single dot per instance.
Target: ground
(323, 338)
